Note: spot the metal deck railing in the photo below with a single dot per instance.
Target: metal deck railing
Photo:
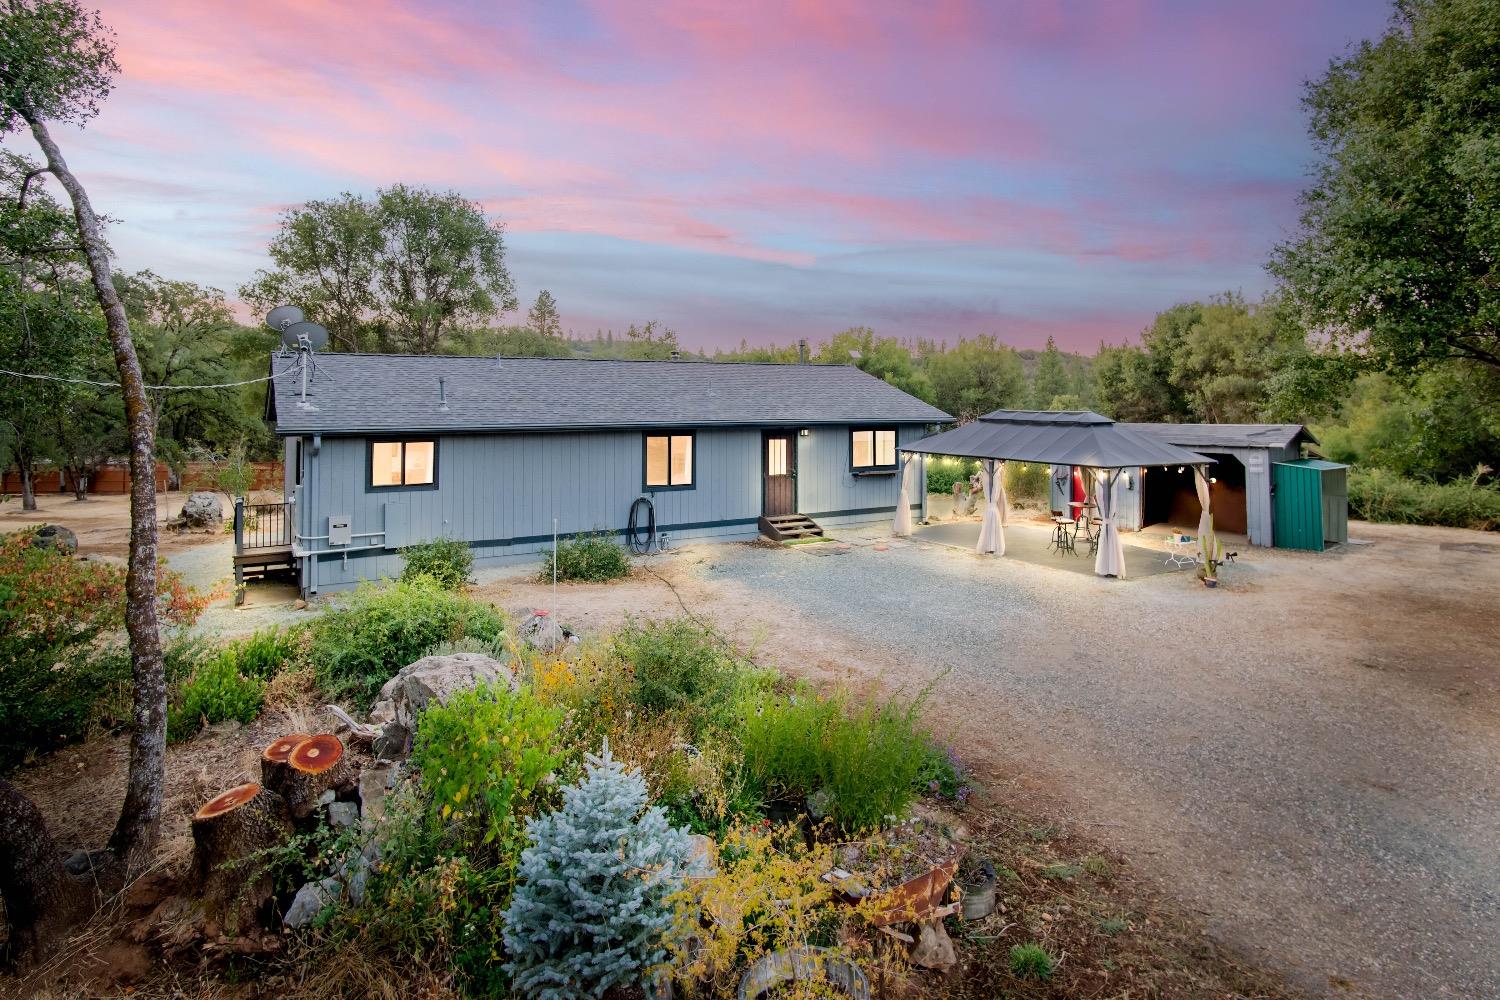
(261, 526)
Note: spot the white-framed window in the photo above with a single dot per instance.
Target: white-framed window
(872, 448)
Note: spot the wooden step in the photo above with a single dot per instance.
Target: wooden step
(784, 527)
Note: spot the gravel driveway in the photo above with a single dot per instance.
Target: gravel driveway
(1309, 754)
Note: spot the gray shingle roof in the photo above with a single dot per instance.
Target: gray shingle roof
(1070, 437)
(355, 393)
(1227, 435)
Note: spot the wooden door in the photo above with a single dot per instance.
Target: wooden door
(779, 461)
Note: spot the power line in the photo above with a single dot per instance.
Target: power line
(116, 385)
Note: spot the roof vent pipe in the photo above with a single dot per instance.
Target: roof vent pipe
(443, 394)
(676, 355)
(802, 351)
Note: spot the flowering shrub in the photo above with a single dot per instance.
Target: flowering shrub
(483, 758)
(55, 611)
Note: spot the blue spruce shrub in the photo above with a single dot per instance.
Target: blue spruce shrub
(590, 909)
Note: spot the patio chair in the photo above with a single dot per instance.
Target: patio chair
(1182, 550)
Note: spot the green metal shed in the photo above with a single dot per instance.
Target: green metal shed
(1311, 503)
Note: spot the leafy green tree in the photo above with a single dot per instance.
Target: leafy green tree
(441, 266)
(1397, 257)
(1129, 385)
(884, 357)
(976, 376)
(325, 258)
(57, 63)
(506, 342)
(46, 315)
(398, 272)
(1051, 379)
(650, 342)
(543, 317)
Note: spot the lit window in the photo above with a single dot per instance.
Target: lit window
(873, 449)
(403, 463)
(669, 461)
(776, 456)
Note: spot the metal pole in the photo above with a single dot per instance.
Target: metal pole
(554, 570)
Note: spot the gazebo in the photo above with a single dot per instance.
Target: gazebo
(1078, 438)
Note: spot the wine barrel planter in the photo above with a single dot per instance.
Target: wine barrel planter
(976, 887)
(792, 965)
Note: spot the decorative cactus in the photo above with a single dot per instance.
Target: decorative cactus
(591, 908)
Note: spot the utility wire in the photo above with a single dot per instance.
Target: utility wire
(116, 385)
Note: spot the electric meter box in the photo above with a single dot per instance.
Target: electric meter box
(338, 529)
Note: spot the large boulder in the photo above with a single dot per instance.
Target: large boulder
(54, 536)
(202, 510)
(435, 678)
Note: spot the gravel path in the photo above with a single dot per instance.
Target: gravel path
(1309, 754)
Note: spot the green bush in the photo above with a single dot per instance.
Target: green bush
(943, 471)
(216, 692)
(1031, 961)
(865, 757)
(1378, 495)
(483, 758)
(593, 558)
(1029, 483)
(266, 653)
(356, 648)
(447, 561)
(680, 666)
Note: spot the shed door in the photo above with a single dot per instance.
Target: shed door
(780, 463)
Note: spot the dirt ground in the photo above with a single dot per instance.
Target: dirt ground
(1344, 848)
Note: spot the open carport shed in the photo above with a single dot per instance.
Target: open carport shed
(1242, 497)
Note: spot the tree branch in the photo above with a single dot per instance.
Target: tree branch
(26, 180)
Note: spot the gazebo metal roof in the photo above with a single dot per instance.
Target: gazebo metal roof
(1056, 437)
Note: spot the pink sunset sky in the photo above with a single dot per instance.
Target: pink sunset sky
(744, 170)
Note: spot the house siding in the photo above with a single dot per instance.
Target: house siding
(501, 492)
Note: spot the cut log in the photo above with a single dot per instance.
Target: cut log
(273, 766)
(230, 828)
(315, 765)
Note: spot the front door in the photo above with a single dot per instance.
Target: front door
(779, 457)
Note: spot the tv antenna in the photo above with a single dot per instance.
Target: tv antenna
(300, 335)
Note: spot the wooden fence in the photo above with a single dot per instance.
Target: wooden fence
(115, 479)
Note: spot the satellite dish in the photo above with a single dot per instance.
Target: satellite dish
(282, 317)
(303, 334)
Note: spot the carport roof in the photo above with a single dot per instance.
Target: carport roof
(1067, 437)
(1228, 435)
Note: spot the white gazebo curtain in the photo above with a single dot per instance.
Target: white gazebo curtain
(1110, 560)
(1207, 540)
(991, 530)
(903, 502)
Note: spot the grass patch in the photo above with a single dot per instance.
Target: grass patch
(1031, 961)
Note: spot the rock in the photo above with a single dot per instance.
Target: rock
(313, 898)
(54, 536)
(394, 741)
(356, 883)
(374, 781)
(327, 797)
(934, 948)
(119, 562)
(202, 510)
(85, 862)
(342, 815)
(702, 853)
(438, 678)
(820, 804)
(541, 632)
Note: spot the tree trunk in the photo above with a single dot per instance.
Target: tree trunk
(230, 828)
(140, 815)
(41, 899)
(28, 485)
(273, 765)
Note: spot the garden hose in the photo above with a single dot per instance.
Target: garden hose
(633, 532)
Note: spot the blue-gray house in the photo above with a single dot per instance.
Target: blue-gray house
(384, 450)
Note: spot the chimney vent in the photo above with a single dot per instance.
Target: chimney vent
(443, 394)
(802, 351)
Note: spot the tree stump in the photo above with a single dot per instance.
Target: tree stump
(273, 765)
(231, 827)
(315, 765)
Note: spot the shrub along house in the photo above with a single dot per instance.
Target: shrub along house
(384, 451)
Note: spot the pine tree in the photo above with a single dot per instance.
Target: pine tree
(543, 316)
(590, 909)
(1051, 378)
